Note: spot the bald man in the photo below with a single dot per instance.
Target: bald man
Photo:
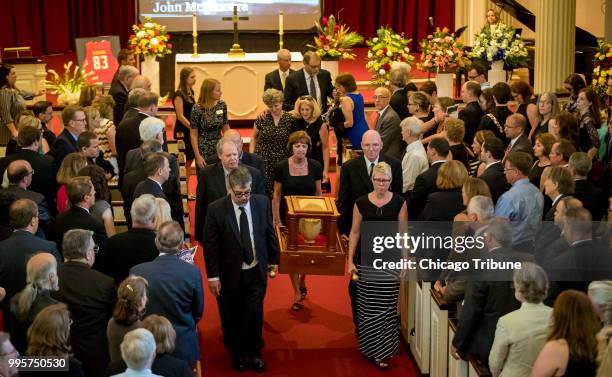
(387, 124)
(250, 159)
(276, 79)
(19, 174)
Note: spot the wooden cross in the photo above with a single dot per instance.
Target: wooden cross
(236, 47)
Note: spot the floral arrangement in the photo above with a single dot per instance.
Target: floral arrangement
(386, 48)
(441, 52)
(70, 84)
(602, 66)
(500, 42)
(334, 40)
(150, 39)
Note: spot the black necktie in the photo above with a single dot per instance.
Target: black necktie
(313, 88)
(371, 169)
(245, 237)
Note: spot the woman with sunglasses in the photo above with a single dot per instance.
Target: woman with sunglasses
(377, 290)
(307, 114)
(297, 175)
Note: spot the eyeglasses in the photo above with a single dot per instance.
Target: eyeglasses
(242, 194)
(509, 169)
(95, 249)
(379, 97)
(381, 180)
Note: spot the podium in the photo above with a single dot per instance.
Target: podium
(310, 243)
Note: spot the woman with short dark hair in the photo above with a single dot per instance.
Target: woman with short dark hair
(351, 104)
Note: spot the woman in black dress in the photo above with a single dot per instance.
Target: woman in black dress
(377, 290)
(307, 114)
(183, 102)
(447, 202)
(541, 151)
(589, 121)
(548, 108)
(522, 93)
(297, 175)
(573, 83)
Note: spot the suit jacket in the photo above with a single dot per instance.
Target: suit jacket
(443, 205)
(592, 198)
(91, 305)
(496, 180)
(43, 181)
(15, 252)
(176, 292)
(148, 186)
(471, 115)
(211, 186)
(550, 214)
(399, 103)
(79, 218)
(424, 185)
(273, 80)
(120, 95)
(63, 146)
(522, 144)
(127, 138)
(296, 86)
(388, 126)
(485, 302)
(223, 257)
(247, 158)
(127, 249)
(130, 181)
(355, 182)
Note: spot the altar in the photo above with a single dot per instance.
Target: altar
(242, 79)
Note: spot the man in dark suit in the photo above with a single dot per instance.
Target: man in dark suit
(119, 89)
(137, 245)
(471, 114)
(240, 246)
(175, 290)
(43, 111)
(277, 78)
(244, 157)
(310, 80)
(488, 297)
(355, 179)
(82, 197)
(131, 106)
(558, 184)
(492, 152)
(213, 182)
(128, 131)
(437, 153)
(515, 132)
(43, 181)
(19, 174)
(388, 125)
(398, 78)
(90, 297)
(75, 122)
(89, 146)
(19, 247)
(591, 196)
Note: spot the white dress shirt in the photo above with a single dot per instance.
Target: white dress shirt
(414, 163)
(316, 82)
(237, 213)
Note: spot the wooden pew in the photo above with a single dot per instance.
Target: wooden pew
(422, 321)
(456, 368)
(406, 309)
(440, 311)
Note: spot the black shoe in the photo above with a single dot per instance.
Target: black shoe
(239, 365)
(257, 364)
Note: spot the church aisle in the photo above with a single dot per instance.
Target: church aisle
(318, 340)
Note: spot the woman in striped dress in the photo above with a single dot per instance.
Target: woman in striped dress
(377, 290)
(12, 103)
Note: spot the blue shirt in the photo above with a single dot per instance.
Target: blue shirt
(523, 205)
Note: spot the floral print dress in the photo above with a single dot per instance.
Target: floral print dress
(209, 123)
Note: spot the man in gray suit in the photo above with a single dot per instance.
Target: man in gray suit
(515, 131)
(387, 124)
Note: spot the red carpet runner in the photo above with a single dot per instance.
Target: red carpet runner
(317, 341)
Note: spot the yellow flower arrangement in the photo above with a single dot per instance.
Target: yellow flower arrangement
(150, 38)
(334, 40)
(602, 66)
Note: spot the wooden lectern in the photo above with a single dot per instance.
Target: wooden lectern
(310, 243)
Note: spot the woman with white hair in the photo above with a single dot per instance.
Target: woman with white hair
(600, 293)
(138, 352)
(415, 159)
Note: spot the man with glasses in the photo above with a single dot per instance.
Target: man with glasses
(478, 73)
(311, 80)
(90, 297)
(19, 174)
(514, 129)
(387, 124)
(82, 196)
(240, 246)
(75, 122)
(523, 204)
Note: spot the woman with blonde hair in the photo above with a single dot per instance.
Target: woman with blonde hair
(471, 188)
(127, 314)
(105, 133)
(207, 121)
(70, 168)
(162, 212)
(548, 108)
(447, 202)
(49, 336)
(571, 346)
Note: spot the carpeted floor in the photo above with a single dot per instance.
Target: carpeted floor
(319, 340)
